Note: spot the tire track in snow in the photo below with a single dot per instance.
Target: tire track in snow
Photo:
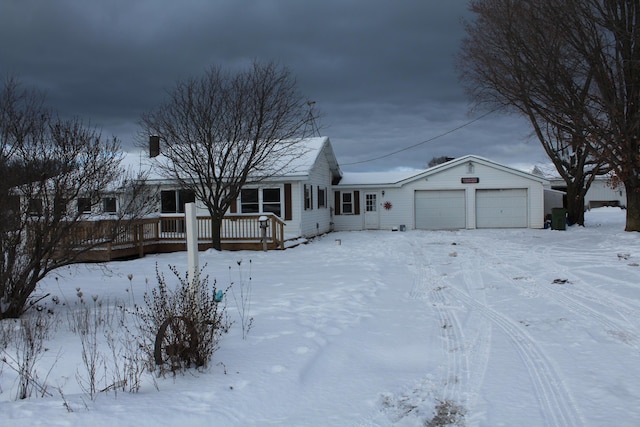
(428, 286)
(557, 405)
(612, 327)
(478, 347)
(546, 257)
(568, 297)
(603, 297)
(558, 408)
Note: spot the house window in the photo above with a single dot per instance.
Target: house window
(271, 201)
(109, 205)
(84, 205)
(13, 206)
(308, 197)
(322, 197)
(35, 207)
(254, 200)
(60, 206)
(12, 211)
(173, 201)
(249, 201)
(347, 203)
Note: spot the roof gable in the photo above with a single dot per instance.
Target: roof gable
(311, 151)
(481, 160)
(398, 179)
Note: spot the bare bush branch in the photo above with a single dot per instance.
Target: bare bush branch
(55, 173)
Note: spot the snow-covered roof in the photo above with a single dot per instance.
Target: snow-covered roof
(396, 178)
(545, 170)
(377, 178)
(549, 172)
(298, 167)
(310, 150)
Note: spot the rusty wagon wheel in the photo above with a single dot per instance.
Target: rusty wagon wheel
(177, 343)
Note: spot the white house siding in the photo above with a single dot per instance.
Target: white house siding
(316, 220)
(293, 226)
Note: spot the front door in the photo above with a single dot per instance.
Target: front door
(371, 219)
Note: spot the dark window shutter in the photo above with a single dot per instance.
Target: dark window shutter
(356, 202)
(234, 206)
(337, 202)
(288, 214)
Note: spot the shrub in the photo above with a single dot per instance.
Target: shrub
(27, 335)
(182, 327)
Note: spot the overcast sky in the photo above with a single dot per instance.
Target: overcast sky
(380, 72)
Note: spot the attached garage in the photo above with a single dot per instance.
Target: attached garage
(440, 209)
(504, 208)
(465, 193)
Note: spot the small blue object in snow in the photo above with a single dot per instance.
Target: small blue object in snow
(218, 296)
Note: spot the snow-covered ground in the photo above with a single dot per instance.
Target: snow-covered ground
(509, 327)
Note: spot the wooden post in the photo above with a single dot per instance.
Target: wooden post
(264, 223)
(191, 221)
(140, 233)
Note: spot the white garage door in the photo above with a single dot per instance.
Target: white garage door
(501, 208)
(440, 209)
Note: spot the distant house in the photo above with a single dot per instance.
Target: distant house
(602, 191)
(465, 193)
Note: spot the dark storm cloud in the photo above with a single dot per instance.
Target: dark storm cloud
(380, 72)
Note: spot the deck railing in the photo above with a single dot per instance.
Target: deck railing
(234, 227)
(171, 229)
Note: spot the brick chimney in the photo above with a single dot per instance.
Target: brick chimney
(154, 146)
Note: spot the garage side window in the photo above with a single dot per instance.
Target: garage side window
(370, 202)
(347, 203)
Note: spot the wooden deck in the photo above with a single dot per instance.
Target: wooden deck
(167, 234)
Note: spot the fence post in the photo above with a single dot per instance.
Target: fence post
(139, 230)
(264, 223)
(192, 243)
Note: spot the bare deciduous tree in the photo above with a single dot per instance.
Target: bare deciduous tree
(226, 129)
(55, 173)
(517, 56)
(575, 66)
